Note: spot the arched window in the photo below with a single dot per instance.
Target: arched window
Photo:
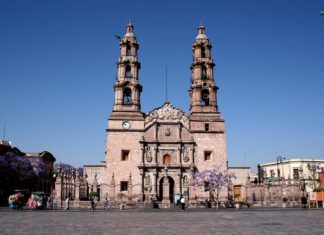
(128, 71)
(203, 52)
(128, 50)
(205, 97)
(204, 72)
(166, 159)
(127, 97)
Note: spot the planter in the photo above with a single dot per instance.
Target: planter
(237, 205)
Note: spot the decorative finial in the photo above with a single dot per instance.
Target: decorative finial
(201, 21)
(129, 20)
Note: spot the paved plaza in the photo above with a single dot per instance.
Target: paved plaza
(158, 221)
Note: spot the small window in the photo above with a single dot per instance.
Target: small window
(128, 50)
(272, 173)
(207, 156)
(206, 126)
(166, 159)
(278, 171)
(123, 185)
(203, 72)
(128, 72)
(296, 174)
(125, 155)
(203, 52)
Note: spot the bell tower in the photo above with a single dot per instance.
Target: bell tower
(203, 90)
(204, 115)
(127, 88)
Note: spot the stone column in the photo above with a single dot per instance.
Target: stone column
(192, 150)
(154, 185)
(177, 189)
(130, 187)
(179, 155)
(77, 190)
(112, 187)
(154, 161)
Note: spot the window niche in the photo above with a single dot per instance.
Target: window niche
(128, 71)
(123, 186)
(207, 155)
(125, 155)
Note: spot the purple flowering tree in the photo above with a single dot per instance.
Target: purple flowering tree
(214, 180)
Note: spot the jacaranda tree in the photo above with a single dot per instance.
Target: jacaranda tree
(214, 180)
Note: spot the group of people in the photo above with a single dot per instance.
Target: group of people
(93, 203)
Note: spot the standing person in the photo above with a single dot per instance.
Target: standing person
(92, 204)
(183, 203)
(67, 204)
(106, 204)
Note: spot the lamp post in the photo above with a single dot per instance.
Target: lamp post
(279, 160)
(53, 186)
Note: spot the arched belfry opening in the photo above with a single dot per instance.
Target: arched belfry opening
(127, 96)
(205, 97)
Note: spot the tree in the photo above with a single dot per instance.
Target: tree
(214, 180)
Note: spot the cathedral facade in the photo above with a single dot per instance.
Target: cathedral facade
(155, 155)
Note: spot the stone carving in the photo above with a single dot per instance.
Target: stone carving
(185, 181)
(167, 112)
(148, 154)
(167, 132)
(148, 183)
(185, 155)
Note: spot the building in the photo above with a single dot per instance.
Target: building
(301, 169)
(154, 155)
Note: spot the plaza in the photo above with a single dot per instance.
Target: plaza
(167, 221)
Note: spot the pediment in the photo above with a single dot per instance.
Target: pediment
(167, 113)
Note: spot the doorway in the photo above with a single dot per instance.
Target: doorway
(171, 189)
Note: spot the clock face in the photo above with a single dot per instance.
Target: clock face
(126, 125)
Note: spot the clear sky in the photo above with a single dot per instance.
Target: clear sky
(58, 66)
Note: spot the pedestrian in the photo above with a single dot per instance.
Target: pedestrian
(67, 204)
(92, 204)
(106, 204)
(183, 203)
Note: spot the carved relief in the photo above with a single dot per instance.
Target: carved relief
(185, 181)
(167, 112)
(185, 155)
(147, 183)
(148, 154)
(167, 132)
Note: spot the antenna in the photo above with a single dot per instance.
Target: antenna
(166, 83)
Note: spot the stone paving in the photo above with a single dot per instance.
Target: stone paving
(161, 221)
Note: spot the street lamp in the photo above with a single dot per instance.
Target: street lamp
(53, 186)
(279, 160)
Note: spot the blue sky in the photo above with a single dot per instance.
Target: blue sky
(58, 66)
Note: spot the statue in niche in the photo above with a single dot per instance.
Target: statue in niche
(185, 180)
(185, 155)
(147, 183)
(148, 154)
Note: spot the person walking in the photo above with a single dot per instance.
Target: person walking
(183, 203)
(67, 204)
(106, 204)
(92, 204)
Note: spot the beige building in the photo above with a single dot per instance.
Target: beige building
(301, 169)
(155, 154)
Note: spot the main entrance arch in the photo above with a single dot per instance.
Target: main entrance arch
(171, 189)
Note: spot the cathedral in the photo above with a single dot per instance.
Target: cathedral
(154, 155)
